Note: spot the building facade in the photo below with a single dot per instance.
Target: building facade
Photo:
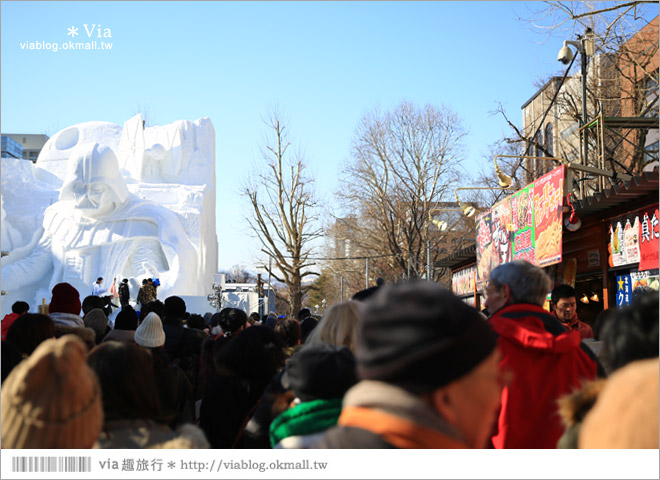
(31, 144)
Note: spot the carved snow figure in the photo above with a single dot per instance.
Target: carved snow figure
(97, 229)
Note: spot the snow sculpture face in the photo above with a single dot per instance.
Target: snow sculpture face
(93, 181)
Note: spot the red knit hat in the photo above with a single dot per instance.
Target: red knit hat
(66, 299)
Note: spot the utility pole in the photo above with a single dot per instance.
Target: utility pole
(428, 260)
(366, 274)
(270, 267)
(260, 296)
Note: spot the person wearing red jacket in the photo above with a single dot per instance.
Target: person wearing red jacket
(17, 309)
(547, 360)
(564, 306)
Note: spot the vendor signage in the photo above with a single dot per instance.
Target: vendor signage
(522, 206)
(524, 226)
(623, 290)
(485, 260)
(502, 231)
(648, 239)
(548, 200)
(463, 281)
(633, 239)
(645, 278)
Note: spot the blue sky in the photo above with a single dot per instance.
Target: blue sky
(325, 64)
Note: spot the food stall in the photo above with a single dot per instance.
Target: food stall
(604, 245)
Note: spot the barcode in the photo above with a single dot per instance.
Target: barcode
(51, 464)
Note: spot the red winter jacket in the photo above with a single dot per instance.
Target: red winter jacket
(547, 361)
(7, 322)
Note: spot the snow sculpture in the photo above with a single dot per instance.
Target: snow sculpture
(117, 218)
(54, 156)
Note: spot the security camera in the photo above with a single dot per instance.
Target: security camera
(565, 55)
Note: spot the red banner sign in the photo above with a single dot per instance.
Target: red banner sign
(524, 226)
(548, 200)
(648, 240)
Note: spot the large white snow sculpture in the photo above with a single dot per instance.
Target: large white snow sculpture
(111, 220)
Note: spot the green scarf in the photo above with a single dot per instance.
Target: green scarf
(305, 418)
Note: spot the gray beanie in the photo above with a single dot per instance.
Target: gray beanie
(97, 321)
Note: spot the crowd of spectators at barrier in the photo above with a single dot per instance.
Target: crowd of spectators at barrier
(406, 365)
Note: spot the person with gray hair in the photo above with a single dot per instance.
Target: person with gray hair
(524, 282)
(547, 360)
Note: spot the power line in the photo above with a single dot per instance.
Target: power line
(345, 258)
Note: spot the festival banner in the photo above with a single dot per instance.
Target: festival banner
(524, 226)
(522, 206)
(484, 247)
(463, 281)
(502, 231)
(548, 201)
(648, 239)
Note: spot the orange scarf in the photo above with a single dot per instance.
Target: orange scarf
(396, 431)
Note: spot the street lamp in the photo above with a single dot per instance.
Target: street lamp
(570, 167)
(441, 224)
(469, 210)
(585, 46)
(505, 181)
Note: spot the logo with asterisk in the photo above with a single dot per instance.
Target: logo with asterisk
(73, 31)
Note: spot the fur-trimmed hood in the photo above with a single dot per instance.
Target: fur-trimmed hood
(575, 406)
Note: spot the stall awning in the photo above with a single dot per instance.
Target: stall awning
(457, 258)
(622, 193)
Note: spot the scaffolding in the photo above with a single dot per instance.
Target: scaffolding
(620, 128)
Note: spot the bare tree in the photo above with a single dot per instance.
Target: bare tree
(284, 212)
(149, 117)
(403, 166)
(239, 274)
(621, 82)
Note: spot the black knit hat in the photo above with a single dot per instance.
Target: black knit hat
(420, 336)
(175, 307)
(320, 370)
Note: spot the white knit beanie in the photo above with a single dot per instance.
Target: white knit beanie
(150, 333)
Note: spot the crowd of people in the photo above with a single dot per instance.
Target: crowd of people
(405, 365)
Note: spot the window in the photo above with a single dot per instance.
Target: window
(548, 139)
(650, 108)
(651, 153)
(537, 144)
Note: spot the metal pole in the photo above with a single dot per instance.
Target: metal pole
(366, 274)
(583, 57)
(270, 268)
(428, 260)
(341, 289)
(260, 296)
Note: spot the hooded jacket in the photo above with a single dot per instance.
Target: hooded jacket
(7, 322)
(547, 362)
